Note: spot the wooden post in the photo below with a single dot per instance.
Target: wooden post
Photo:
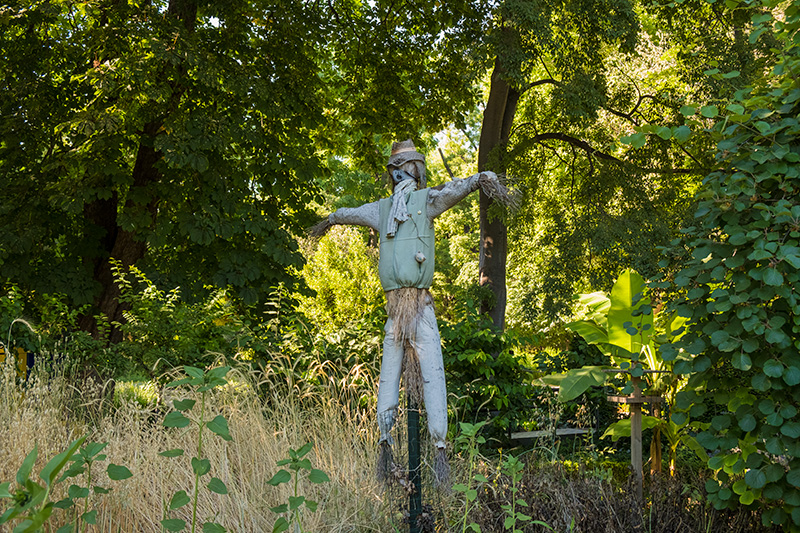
(635, 401)
(636, 437)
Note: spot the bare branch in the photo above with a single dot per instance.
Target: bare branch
(594, 152)
(446, 166)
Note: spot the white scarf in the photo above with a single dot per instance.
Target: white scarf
(399, 212)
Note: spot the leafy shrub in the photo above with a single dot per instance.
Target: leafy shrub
(32, 505)
(740, 287)
(485, 373)
(580, 354)
(343, 271)
(161, 330)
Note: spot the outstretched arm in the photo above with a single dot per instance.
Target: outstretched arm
(366, 215)
(440, 199)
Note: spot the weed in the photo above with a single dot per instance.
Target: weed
(32, 501)
(469, 440)
(297, 462)
(203, 382)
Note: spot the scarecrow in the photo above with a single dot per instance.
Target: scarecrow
(411, 345)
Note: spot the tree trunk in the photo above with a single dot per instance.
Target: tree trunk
(119, 244)
(498, 118)
(116, 243)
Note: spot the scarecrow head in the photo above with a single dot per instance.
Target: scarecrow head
(405, 161)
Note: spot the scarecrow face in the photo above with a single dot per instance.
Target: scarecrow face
(413, 169)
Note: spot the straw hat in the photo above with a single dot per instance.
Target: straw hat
(403, 152)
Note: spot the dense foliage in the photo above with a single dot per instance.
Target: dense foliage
(739, 286)
(598, 198)
(187, 138)
(160, 160)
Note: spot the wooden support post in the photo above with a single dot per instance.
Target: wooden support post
(415, 498)
(636, 438)
(635, 401)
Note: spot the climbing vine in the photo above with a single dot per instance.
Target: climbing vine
(740, 287)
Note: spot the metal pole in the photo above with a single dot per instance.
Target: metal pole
(415, 498)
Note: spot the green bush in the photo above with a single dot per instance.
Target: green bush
(486, 374)
(160, 331)
(740, 287)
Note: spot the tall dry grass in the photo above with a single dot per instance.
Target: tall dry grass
(271, 412)
(50, 411)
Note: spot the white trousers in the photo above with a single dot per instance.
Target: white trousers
(428, 346)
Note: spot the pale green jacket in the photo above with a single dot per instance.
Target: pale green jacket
(398, 265)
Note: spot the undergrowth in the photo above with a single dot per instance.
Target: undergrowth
(273, 411)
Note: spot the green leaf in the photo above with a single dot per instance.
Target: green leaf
(628, 287)
(282, 476)
(91, 449)
(179, 499)
(173, 524)
(709, 111)
(54, 466)
(219, 425)
(747, 423)
(682, 134)
(791, 376)
(184, 405)
(193, 371)
(295, 502)
(213, 527)
(218, 373)
(688, 110)
(174, 452)
(318, 476)
(200, 467)
(747, 498)
(736, 109)
(741, 361)
(66, 503)
(282, 508)
(280, 526)
(118, 472)
(773, 277)
(90, 517)
(755, 478)
(302, 452)
(179, 382)
(4, 492)
(175, 419)
(579, 380)
(216, 485)
(773, 368)
(637, 140)
(791, 429)
(75, 492)
(622, 428)
(589, 330)
(471, 494)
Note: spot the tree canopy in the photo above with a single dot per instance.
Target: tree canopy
(188, 138)
(194, 140)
